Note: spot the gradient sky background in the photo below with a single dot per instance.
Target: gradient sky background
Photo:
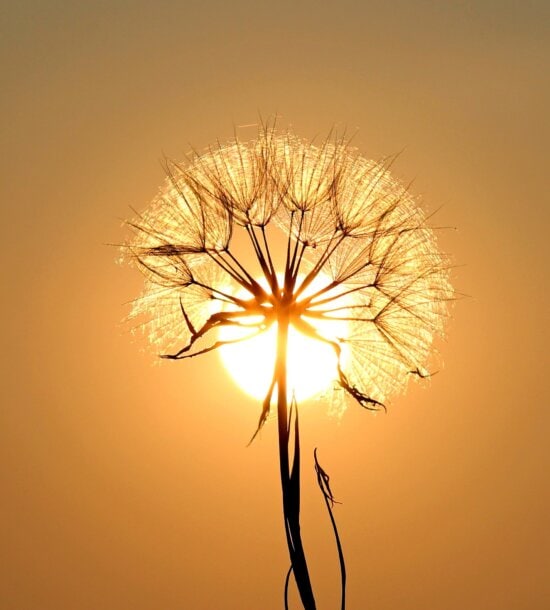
(127, 485)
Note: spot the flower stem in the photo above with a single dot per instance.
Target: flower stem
(290, 473)
(324, 485)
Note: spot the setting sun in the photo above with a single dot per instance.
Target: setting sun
(312, 365)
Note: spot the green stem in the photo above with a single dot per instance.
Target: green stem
(290, 481)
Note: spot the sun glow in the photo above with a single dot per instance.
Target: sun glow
(311, 364)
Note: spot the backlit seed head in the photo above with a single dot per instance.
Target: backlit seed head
(341, 217)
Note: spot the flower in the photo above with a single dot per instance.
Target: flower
(348, 229)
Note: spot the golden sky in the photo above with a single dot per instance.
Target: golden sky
(127, 483)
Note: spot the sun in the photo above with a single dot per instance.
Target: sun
(311, 364)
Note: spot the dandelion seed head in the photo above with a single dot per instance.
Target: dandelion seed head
(343, 218)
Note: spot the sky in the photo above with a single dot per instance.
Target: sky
(127, 483)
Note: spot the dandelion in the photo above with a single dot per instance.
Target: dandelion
(338, 252)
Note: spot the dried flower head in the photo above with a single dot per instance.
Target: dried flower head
(357, 249)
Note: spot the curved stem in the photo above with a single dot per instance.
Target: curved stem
(287, 580)
(290, 473)
(324, 485)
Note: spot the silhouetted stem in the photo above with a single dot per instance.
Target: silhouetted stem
(287, 580)
(290, 474)
(324, 486)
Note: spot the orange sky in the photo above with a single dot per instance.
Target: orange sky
(127, 485)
